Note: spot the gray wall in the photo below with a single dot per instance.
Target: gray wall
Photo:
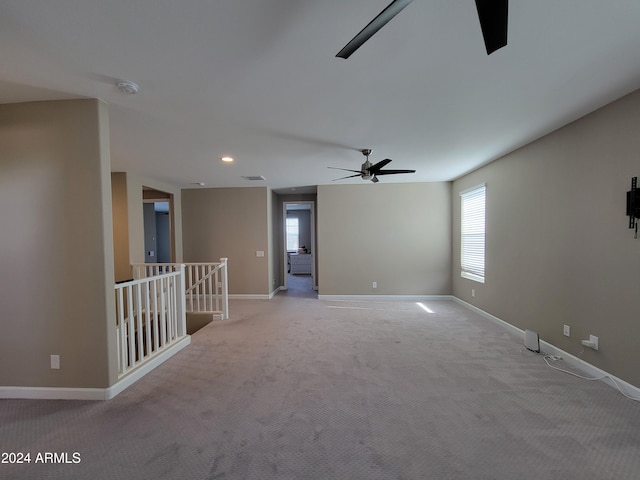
(398, 235)
(57, 265)
(232, 223)
(559, 250)
(163, 238)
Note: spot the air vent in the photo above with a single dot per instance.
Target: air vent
(254, 177)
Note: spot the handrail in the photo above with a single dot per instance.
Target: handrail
(206, 284)
(140, 281)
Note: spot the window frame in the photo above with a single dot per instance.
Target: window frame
(295, 220)
(472, 220)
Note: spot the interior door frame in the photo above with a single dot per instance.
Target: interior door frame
(312, 226)
(151, 195)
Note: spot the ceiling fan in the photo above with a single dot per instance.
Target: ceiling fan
(371, 172)
(493, 22)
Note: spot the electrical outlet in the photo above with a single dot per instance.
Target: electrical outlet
(259, 253)
(566, 330)
(374, 284)
(55, 362)
(473, 292)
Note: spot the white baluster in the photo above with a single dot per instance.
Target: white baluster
(131, 350)
(148, 314)
(163, 315)
(155, 315)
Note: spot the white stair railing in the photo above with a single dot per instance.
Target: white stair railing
(206, 284)
(150, 317)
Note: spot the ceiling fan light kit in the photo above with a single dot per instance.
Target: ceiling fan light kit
(492, 14)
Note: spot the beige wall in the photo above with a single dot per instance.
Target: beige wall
(398, 235)
(120, 226)
(272, 240)
(57, 253)
(232, 223)
(135, 184)
(559, 250)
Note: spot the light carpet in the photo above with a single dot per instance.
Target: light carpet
(297, 388)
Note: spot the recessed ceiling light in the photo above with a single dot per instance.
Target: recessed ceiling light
(227, 159)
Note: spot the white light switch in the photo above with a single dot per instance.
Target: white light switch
(55, 362)
(259, 253)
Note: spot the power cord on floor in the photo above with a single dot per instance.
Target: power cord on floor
(555, 358)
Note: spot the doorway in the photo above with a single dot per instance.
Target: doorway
(159, 242)
(299, 248)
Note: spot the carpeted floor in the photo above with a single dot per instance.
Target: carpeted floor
(297, 388)
(300, 286)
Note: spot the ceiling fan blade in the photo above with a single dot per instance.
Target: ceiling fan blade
(347, 170)
(376, 24)
(350, 176)
(393, 172)
(493, 22)
(376, 168)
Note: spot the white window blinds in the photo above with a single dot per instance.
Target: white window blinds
(293, 234)
(473, 233)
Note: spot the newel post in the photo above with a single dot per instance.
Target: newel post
(182, 303)
(225, 289)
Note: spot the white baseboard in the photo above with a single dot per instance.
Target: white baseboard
(53, 393)
(387, 298)
(66, 393)
(140, 372)
(275, 292)
(502, 323)
(250, 296)
(586, 368)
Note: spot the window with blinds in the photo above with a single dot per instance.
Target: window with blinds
(473, 233)
(293, 234)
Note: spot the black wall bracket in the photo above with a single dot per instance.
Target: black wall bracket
(633, 205)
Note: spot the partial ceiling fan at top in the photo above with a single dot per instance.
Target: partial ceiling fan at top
(492, 14)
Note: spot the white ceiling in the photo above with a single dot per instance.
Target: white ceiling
(259, 80)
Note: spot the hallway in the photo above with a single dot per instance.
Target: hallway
(300, 286)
